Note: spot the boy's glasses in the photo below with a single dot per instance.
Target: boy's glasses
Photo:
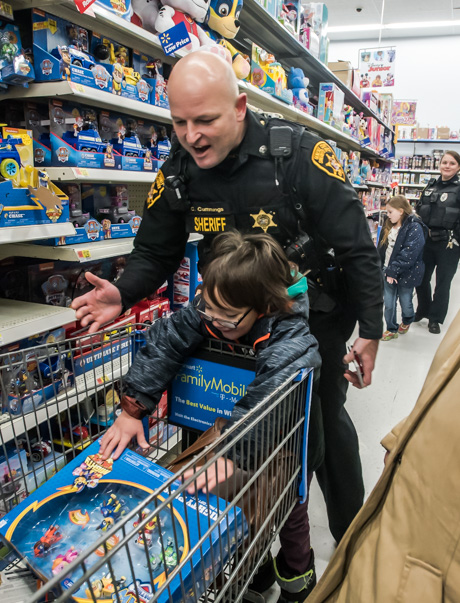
(227, 324)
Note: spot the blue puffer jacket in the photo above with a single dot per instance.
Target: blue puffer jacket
(406, 263)
(283, 345)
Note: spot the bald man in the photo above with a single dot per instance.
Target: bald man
(230, 169)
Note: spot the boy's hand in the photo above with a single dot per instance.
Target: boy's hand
(218, 472)
(120, 434)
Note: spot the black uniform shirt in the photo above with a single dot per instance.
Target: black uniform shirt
(246, 191)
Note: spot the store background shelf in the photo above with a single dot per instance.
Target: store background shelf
(417, 171)
(19, 320)
(377, 184)
(16, 234)
(440, 140)
(95, 175)
(412, 185)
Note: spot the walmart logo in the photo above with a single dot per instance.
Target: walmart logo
(165, 38)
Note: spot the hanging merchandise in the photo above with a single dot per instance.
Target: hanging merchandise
(377, 67)
(403, 112)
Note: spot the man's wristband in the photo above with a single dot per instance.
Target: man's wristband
(134, 408)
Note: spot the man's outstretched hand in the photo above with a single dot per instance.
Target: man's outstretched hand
(99, 306)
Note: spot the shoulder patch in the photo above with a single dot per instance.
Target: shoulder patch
(156, 190)
(325, 159)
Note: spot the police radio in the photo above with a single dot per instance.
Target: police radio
(280, 141)
(176, 193)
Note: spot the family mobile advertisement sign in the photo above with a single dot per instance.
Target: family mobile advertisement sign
(203, 391)
(175, 38)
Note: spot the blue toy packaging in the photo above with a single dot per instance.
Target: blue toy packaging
(61, 52)
(186, 279)
(37, 119)
(15, 68)
(75, 139)
(151, 70)
(71, 511)
(120, 8)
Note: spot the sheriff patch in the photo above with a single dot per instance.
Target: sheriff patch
(263, 220)
(324, 158)
(156, 190)
(210, 224)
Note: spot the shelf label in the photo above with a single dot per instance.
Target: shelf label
(78, 87)
(102, 380)
(81, 172)
(83, 5)
(84, 254)
(1, 338)
(175, 38)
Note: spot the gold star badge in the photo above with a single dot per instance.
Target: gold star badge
(263, 220)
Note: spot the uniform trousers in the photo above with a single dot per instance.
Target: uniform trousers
(437, 255)
(340, 475)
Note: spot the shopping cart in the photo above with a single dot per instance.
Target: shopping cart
(267, 445)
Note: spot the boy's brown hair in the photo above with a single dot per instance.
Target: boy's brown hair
(249, 270)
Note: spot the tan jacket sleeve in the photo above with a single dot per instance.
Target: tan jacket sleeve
(390, 439)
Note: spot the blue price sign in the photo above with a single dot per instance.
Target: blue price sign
(175, 38)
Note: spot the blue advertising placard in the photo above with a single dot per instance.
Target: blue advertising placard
(175, 38)
(203, 391)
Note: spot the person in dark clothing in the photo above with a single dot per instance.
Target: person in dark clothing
(401, 251)
(250, 295)
(233, 168)
(439, 208)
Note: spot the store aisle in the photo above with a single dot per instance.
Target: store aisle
(402, 365)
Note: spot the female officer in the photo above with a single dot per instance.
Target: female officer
(439, 208)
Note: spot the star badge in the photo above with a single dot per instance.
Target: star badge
(263, 220)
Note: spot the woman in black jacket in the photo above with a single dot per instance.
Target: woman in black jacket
(439, 208)
(401, 251)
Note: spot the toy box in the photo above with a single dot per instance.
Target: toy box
(343, 70)
(15, 68)
(314, 16)
(37, 119)
(268, 75)
(89, 495)
(120, 8)
(126, 81)
(330, 103)
(186, 279)
(75, 139)
(288, 16)
(309, 39)
(61, 52)
(122, 133)
(151, 70)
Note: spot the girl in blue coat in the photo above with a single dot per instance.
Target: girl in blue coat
(401, 251)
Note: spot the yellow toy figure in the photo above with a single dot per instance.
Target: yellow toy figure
(223, 25)
(117, 78)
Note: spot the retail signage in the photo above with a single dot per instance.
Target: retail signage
(377, 67)
(83, 5)
(403, 112)
(175, 38)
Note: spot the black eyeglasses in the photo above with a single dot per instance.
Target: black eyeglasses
(228, 324)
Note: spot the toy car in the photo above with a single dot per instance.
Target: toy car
(131, 77)
(37, 451)
(130, 146)
(117, 215)
(85, 140)
(51, 536)
(78, 58)
(10, 160)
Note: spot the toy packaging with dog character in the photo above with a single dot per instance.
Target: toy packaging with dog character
(61, 52)
(77, 506)
(37, 119)
(75, 138)
(151, 70)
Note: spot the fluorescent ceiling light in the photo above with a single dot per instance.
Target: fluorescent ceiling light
(376, 27)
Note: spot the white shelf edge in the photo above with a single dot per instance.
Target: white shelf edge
(416, 171)
(75, 174)
(19, 319)
(400, 184)
(16, 234)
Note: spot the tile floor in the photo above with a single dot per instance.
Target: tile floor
(401, 368)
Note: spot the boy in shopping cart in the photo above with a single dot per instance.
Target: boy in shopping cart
(250, 295)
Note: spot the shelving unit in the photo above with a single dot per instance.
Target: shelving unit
(434, 140)
(19, 320)
(75, 174)
(416, 171)
(16, 234)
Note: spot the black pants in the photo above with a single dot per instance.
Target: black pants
(340, 476)
(445, 260)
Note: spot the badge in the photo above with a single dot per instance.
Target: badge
(262, 220)
(156, 190)
(324, 158)
(444, 196)
(428, 193)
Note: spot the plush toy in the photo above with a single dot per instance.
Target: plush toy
(223, 25)
(145, 13)
(189, 12)
(297, 82)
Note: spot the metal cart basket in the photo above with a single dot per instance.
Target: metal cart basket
(60, 396)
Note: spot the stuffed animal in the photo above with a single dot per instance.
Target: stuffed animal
(189, 12)
(223, 25)
(145, 13)
(297, 82)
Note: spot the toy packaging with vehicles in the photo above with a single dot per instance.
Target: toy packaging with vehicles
(81, 506)
(15, 67)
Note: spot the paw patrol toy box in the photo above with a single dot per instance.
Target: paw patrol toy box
(61, 52)
(81, 506)
(27, 196)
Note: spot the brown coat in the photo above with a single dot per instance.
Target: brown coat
(404, 545)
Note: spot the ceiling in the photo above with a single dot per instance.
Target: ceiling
(342, 13)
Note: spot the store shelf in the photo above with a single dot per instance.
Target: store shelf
(361, 187)
(89, 96)
(400, 184)
(262, 28)
(377, 185)
(81, 252)
(23, 319)
(16, 234)
(440, 140)
(416, 171)
(76, 174)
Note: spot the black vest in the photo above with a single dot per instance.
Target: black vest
(439, 206)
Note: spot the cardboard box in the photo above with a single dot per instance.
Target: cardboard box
(423, 133)
(443, 133)
(343, 70)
